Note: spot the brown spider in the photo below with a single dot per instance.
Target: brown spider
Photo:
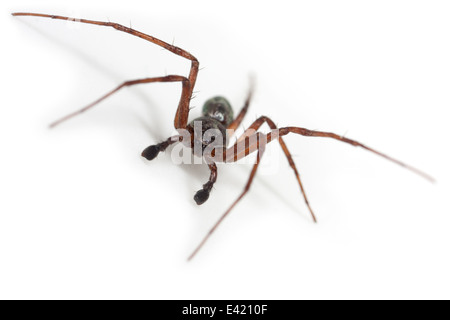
(217, 117)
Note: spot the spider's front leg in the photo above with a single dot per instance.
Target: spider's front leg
(151, 152)
(181, 116)
(203, 194)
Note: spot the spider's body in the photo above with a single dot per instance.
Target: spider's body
(217, 115)
(200, 140)
(209, 133)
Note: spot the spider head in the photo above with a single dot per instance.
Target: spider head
(208, 136)
(219, 109)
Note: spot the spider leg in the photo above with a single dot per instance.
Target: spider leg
(151, 152)
(261, 148)
(247, 144)
(181, 116)
(313, 133)
(183, 104)
(203, 194)
(240, 152)
(238, 120)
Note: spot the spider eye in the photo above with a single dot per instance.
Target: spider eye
(219, 116)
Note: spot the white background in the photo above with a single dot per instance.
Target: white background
(82, 215)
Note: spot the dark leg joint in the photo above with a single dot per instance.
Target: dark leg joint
(203, 194)
(151, 152)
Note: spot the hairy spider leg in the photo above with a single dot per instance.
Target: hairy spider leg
(182, 114)
(251, 144)
(238, 120)
(313, 133)
(255, 126)
(171, 78)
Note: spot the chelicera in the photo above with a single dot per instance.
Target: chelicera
(217, 117)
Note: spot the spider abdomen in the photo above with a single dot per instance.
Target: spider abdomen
(219, 109)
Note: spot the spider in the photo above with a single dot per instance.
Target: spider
(218, 118)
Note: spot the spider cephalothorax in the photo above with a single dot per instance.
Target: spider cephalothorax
(208, 134)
